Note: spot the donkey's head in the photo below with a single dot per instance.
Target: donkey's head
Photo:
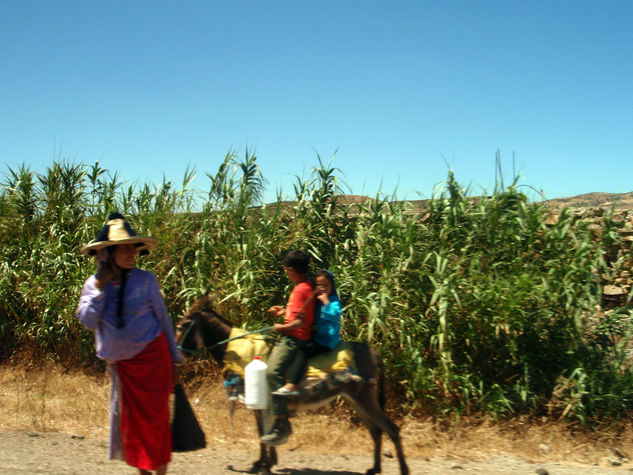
(201, 328)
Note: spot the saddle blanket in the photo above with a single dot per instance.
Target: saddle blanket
(241, 351)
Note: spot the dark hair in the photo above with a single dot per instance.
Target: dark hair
(298, 260)
(120, 321)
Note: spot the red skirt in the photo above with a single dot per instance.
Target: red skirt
(146, 383)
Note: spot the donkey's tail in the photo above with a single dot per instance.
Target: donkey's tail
(371, 367)
(381, 382)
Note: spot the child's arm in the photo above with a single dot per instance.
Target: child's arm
(298, 322)
(299, 318)
(332, 311)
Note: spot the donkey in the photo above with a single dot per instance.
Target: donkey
(203, 328)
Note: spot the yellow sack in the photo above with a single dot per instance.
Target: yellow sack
(241, 351)
(338, 359)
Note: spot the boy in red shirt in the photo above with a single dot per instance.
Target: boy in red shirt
(296, 331)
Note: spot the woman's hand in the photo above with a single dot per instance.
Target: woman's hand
(105, 273)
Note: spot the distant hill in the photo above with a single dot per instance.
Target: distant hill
(620, 201)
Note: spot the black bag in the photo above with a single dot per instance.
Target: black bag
(186, 434)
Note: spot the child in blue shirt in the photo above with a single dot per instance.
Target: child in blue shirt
(327, 318)
(327, 311)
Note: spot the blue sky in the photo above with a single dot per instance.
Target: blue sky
(397, 92)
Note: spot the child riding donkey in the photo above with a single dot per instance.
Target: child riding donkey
(326, 336)
(296, 332)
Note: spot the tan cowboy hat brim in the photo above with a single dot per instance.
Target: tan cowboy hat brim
(118, 231)
(147, 244)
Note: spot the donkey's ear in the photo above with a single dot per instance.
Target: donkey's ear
(203, 303)
(210, 299)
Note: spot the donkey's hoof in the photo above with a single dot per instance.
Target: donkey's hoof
(257, 467)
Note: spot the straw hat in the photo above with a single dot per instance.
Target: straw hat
(118, 231)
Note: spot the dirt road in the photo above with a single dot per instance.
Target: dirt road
(61, 453)
(56, 422)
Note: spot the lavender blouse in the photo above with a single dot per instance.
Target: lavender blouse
(144, 312)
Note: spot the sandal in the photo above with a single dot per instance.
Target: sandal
(285, 392)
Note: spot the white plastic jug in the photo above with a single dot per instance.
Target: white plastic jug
(256, 384)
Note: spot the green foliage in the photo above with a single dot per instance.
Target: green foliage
(476, 304)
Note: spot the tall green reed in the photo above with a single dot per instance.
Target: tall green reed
(476, 304)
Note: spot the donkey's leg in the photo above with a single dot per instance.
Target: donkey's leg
(365, 401)
(267, 455)
(376, 435)
(371, 399)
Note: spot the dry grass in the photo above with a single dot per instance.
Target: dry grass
(51, 399)
(48, 399)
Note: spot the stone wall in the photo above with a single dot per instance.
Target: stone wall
(618, 282)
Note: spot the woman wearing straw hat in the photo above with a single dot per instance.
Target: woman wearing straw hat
(133, 333)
